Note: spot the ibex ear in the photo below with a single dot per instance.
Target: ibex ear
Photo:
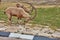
(19, 5)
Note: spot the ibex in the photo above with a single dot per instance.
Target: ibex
(19, 12)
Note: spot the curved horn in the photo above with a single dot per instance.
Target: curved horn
(33, 8)
(35, 13)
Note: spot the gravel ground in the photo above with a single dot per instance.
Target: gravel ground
(31, 29)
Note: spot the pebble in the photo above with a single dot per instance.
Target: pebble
(2, 29)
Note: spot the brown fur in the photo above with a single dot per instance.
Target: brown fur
(18, 12)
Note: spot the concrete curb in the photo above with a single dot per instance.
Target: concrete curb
(30, 37)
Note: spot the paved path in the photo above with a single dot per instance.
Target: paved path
(24, 37)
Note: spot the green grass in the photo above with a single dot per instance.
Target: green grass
(48, 16)
(45, 16)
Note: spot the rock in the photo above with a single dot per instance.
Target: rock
(21, 29)
(3, 29)
(2, 21)
(56, 34)
(46, 26)
(36, 28)
(35, 32)
(11, 29)
(47, 30)
(58, 30)
(28, 24)
(44, 34)
(1, 25)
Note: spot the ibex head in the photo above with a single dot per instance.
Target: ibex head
(19, 5)
(26, 10)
